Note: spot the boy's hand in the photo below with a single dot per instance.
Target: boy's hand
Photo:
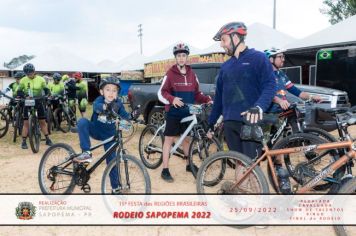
(113, 106)
(177, 102)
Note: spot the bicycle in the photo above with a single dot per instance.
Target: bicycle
(13, 115)
(290, 121)
(243, 173)
(152, 139)
(34, 130)
(50, 118)
(63, 115)
(63, 174)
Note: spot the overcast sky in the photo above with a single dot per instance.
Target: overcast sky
(99, 29)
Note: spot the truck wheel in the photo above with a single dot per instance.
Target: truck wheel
(156, 116)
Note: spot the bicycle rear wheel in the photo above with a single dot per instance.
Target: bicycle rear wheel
(56, 170)
(4, 124)
(133, 176)
(34, 133)
(348, 187)
(200, 150)
(151, 146)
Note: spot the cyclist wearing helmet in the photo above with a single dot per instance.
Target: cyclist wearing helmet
(70, 89)
(82, 90)
(57, 87)
(15, 85)
(280, 103)
(100, 128)
(245, 87)
(180, 86)
(33, 85)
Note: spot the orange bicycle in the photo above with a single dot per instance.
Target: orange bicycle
(318, 163)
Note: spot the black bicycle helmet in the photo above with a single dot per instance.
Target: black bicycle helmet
(28, 68)
(109, 80)
(57, 77)
(19, 75)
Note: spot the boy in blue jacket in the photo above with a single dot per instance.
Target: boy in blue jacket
(99, 127)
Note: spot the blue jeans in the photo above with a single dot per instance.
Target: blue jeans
(87, 129)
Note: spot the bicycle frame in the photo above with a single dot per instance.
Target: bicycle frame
(313, 182)
(192, 118)
(194, 121)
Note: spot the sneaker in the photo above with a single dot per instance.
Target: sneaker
(284, 183)
(49, 142)
(166, 176)
(116, 191)
(84, 157)
(24, 145)
(188, 169)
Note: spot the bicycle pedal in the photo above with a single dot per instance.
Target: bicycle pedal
(86, 188)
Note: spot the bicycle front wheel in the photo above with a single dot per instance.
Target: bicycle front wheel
(348, 188)
(17, 125)
(150, 147)
(49, 120)
(236, 164)
(130, 174)
(4, 124)
(34, 133)
(56, 170)
(305, 165)
(62, 120)
(200, 150)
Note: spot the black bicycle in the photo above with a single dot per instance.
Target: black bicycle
(12, 114)
(34, 130)
(59, 173)
(61, 115)
(291, 121)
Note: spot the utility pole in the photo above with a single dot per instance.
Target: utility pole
(274, 14)
(140, 36)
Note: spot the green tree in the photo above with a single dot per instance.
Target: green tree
(339, 10)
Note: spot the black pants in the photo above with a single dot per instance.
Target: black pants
(232, 131)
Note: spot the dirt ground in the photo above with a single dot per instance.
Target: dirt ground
(19, 170)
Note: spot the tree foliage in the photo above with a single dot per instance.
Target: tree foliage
(339, 10)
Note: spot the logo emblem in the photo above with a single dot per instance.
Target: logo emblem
(25, 211)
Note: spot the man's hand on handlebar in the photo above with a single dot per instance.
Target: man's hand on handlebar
(253, 115)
